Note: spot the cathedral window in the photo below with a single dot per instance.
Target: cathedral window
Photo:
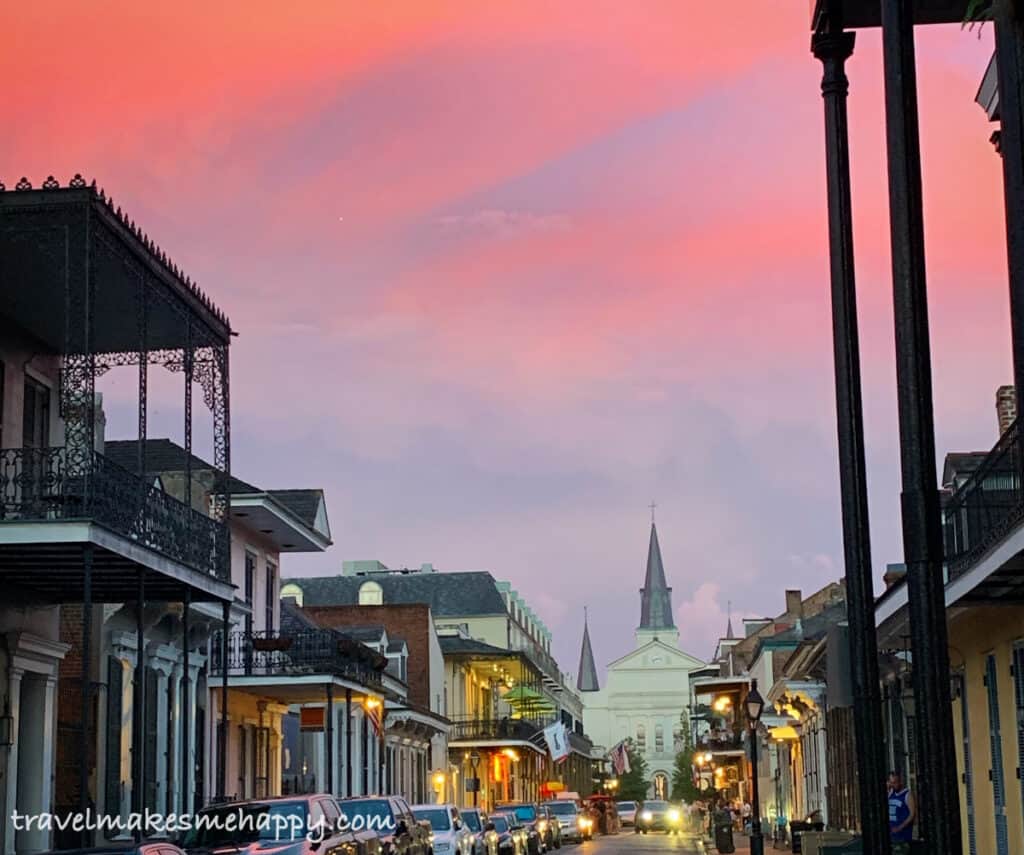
(659, 738)
(641, 738)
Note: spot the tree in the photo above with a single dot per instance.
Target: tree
(683, 786)
(634, 784)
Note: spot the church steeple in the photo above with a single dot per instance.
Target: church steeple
(586, 679)
(728, 629)
(656, 595)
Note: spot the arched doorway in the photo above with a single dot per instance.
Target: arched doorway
(660, 785)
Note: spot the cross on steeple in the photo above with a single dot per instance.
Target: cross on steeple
(652, 506)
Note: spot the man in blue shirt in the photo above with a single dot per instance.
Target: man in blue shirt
(902, 813)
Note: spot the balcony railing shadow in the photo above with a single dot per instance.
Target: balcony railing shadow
(311, 651)
(42, 484)
(983, 510)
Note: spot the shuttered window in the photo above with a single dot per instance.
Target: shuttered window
(996, 744)
(1018, 691)
(972, 841)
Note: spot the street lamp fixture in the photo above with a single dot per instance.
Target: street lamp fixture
(755, 706)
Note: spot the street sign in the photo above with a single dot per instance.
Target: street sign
(311, 718)
(472, 785)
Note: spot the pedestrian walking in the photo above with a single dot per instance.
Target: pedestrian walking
(746, 812)
(902, 814)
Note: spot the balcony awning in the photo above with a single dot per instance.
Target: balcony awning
(525, 700)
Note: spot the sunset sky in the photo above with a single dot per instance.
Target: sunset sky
(504, 273)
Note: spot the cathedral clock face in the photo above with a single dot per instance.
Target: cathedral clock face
(657, 660)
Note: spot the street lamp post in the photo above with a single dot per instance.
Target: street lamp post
(755, 706)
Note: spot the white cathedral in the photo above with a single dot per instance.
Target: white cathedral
(647, 691)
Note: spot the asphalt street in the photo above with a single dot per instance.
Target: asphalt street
(637, 844)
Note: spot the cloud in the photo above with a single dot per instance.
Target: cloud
(503, 224)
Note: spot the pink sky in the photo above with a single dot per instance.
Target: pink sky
(504, 273)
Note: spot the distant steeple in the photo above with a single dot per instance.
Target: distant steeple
(656, 595)
(728, 628)
(586, 680)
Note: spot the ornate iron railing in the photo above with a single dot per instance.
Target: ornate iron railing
(42, 484)
(529, 730)
(309, 651)
(984, 509)
(730, 741)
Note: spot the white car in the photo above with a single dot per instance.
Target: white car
(449, 834)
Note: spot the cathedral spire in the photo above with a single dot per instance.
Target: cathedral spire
(656, 595)
(728, 628)
(586, 680)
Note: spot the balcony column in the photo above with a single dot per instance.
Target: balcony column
(139, 706)
(833, 49)
(186, 767)
(1009, 38)
(143, 321)
(222, 736)
(179, 726)
(365, 752)
(14, 677)
(329, 725)
(191, 676)
(162, 659)
(938, 781)
(348, 742)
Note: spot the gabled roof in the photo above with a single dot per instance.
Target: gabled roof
(453, 644)
(656, 595)
(448, 594)
(306, 508)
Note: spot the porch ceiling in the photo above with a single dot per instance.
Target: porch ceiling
(53, 572)
(294, 688)
(868, 13)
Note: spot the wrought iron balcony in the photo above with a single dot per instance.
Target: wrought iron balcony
(308, 651)
(49, 485)
(497, 728)
(984, 509)
(720, 741)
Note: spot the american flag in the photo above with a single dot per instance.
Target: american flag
(620, 758)
(373, 713)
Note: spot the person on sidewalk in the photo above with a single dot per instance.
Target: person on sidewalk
(902, 814)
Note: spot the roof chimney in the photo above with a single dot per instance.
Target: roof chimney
(794, 603)
(1006, 407)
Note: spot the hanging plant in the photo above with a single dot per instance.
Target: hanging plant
(978, 11)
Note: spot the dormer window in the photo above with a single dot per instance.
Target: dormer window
(371, 594)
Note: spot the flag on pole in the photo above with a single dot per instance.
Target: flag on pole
(557, 739)
(374, 713)
(619, 756)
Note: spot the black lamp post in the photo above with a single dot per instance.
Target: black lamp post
(755, 706)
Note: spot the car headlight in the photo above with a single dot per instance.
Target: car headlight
(673, 815)
(646, 816)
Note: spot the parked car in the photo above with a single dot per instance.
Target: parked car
(450, 835)
(535, 823)
(574, 824)
(552, 830)
(512, 836)
(627, 813)
(658, 815)
(393, 821)
(298, 824)
(150, 847)
(475, 819)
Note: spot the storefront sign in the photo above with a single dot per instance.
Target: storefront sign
(311, 718)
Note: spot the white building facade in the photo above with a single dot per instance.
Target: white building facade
(646, 691)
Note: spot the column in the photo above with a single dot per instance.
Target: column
(1009, 37)
(938, 781)
(123, 647)
(162, 663)
(188, 779)
(14, 676)
(833, 49)
(180, 723)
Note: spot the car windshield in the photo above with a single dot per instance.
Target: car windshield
(500, 824)
(627, 805)
(367, 815)
(438, 819)
(247, 823)
(525, 812)
(656, 805)
(562, 808)
(472, 820)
